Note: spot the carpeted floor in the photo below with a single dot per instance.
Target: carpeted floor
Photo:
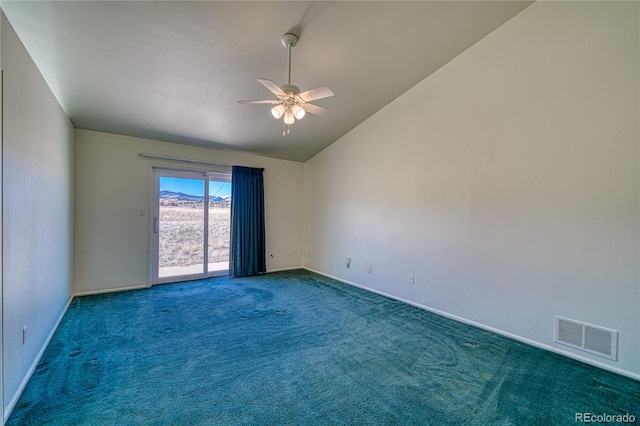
(297, 348)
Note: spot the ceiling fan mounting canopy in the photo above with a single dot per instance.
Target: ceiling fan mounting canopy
(289, 40)
(290, 102)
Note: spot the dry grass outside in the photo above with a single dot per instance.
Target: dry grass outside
(181, 235)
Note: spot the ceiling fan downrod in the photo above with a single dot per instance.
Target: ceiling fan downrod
(289, 40)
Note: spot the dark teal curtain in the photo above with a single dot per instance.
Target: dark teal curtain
(247, 244)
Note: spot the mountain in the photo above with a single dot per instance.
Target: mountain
(189, 197)
(180, 196)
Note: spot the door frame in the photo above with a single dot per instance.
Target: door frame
(154, 210)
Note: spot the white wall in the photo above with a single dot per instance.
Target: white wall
(112, 183)
(1, 273)
(37, 212)
(507, 182)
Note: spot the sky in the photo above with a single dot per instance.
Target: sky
(195, 186)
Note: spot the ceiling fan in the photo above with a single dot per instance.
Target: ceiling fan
(291, 103)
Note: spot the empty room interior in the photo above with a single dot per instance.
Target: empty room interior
(465, 168)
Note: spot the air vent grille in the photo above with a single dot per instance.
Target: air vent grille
(589, 338)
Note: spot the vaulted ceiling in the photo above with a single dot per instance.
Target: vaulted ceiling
(174, 70)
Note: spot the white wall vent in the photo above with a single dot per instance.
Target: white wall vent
(589, 338)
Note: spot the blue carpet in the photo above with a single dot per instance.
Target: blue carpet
(297, 348)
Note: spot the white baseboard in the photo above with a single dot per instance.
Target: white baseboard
(34, 364)
(292, 268)
(522, 339)
(109, 290)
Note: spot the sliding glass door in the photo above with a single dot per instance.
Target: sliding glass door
(191, 221)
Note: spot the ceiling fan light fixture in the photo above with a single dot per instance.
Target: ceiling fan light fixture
(288, 117)
(298, 112)
(291, 103)
(277, 111)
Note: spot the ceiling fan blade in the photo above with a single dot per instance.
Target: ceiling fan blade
(315, 94)
(273, 88)
(270, 102)
(315, 109)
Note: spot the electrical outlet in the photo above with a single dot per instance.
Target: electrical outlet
(24, 334)
(412, 279)
(348, 261)
(370, 269)
(309, 254)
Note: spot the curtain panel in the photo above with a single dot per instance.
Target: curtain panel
(247, 245)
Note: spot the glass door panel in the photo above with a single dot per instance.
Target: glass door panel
(191, 225)
(219, 226)
(181, 226)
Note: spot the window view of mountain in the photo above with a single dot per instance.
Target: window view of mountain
(171, 198)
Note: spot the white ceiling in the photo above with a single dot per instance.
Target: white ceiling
(174, 70)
